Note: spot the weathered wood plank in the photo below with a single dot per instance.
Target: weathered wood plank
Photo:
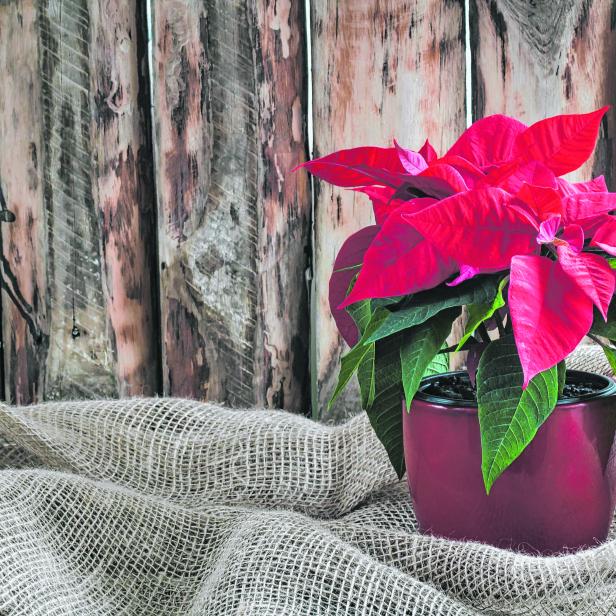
(76, 366)
(122, 146)
(548, 58)
(233, 223)
(380, 70)
(24, 241)
(82, 245)
(98, 198)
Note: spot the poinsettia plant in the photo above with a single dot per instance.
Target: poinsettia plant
(490, 225)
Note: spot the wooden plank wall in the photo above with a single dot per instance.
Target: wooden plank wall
(533, 60)
(172, 228)
(380, 70)
(76, 171)
(234, 223)
(24, 257)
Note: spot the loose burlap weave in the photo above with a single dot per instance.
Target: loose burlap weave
(168, 507)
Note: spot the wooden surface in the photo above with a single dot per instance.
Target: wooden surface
(123, 190)
(82, 242)
(380, 70)
(186, 261)
(541, 59)
(25, 318)
(229, 105)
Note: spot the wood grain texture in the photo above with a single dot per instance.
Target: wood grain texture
(98, 200)
(380, 70)
(24, 241)
(233, 223)
(123, 191)
(533, 60)
(76, 143)
(83, 366)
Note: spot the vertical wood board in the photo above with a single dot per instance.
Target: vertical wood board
(380, 70)
(81, 248)
(233, 222)
(536, 60)
(121, 145)
(283, 248)
(76, 366)
(24, 240)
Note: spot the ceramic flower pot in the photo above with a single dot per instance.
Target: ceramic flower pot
(559, 495)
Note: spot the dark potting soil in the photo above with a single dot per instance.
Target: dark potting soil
(459, 387)
(454, 387)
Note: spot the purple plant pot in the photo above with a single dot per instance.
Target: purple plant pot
(558, 496)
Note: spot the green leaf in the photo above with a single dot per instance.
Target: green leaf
(600, 328)
(378, 370)
(428, 303)
(350, 362)
(366, 377)
(509, 417)
(438, 365)
(385, 414)
(612, 262)
(361, 313)
(380, 302)
(478, 313)
(606, 330)
(611, 357)
(420, 344)
(562, 377)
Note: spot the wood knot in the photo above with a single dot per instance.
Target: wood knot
(6, 216)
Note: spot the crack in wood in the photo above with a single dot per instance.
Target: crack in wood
(9, 281)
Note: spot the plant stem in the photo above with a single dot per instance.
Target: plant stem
(499, 323)
(483, 332)
(595, 339)
(547, 250)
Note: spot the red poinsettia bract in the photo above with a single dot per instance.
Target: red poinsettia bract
(495, 201)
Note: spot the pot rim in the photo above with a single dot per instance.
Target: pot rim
(609, 390)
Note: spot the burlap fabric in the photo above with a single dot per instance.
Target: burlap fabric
(169, 507)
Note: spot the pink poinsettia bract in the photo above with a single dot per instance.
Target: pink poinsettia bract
(496, 201)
